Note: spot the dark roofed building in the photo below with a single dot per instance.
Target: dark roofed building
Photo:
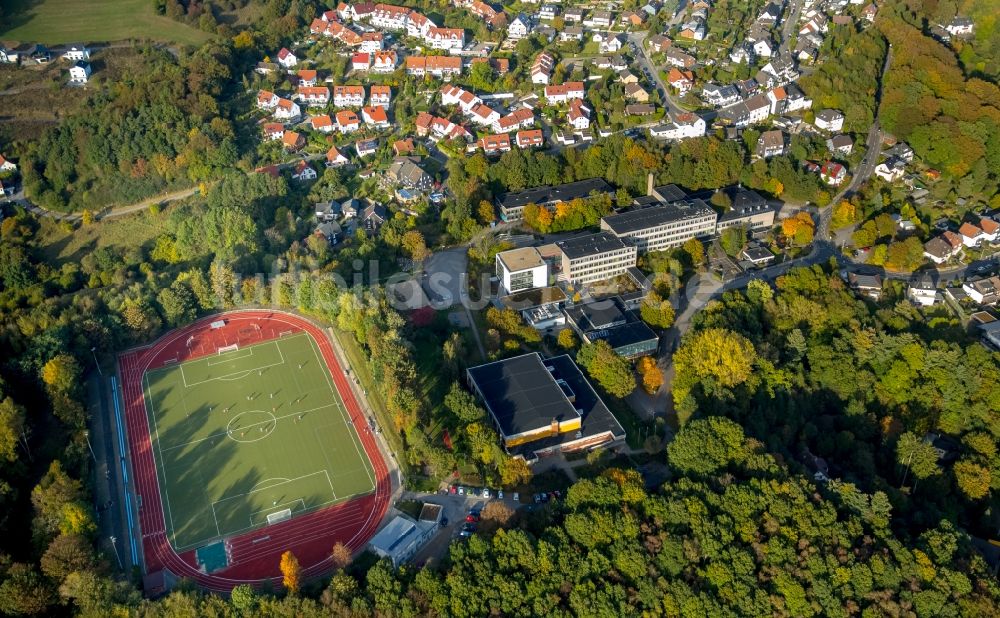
(655, 228)
(512, 204)
(750, 210)
(608, 320)
(595, 257)
(543, 406)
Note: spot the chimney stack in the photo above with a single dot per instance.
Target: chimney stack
(649, 184)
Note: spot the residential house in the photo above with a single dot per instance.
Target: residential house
(529, 138)
(830, 120)
(632, 19)
(922, 290)
(901, 151)
(446, 38)
(599, 19)
(495, 144)
(272, 131)
(483, 115)
(76, 52)
(682, 81)
(579, 114)
(286, 110)
(942, 248)
(840, 144)
(611, 45)
(960, 26)
(385, 61)
(6, 165)
(303, 171)
(379, 95)
(659, 43)
(372, 42)
(548, 12)
(990, 228)
(573, 15)
(684, 126)
(348, 96)
(763, 48)
(9, 56)
(639, 109)
(867, 285)
(693, 30)
(286, 58)
(327, 211)
(79, 73)
(635, 92)
(770, 16)
(833, 173)
(323, 123)
(293, 141)
(972, 235)
(519, 27)
(563, 93)
(307, 77)
(746, 113)
(403, 146)
(334, 158)
(267, 100)
(770, 144)
(366, 147)
(778, 99)
(373, 217)
(453, 95)
(405, 172)
(891, 170)
(316, 95)
(521, 118)
(718, 95)
(756, 255)
(742, 53)
(438, 66)
(347, 121)
(375, 116)
(677, 58)
(571, 33)
(869, 12)
(795, 99)
(983, 291)
(541, 68)
(361, 61)
(439, 128)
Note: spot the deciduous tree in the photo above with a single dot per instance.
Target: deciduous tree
(291, 573)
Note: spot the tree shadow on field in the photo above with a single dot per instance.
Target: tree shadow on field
(17, 13)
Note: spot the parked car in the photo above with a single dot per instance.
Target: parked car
(517, 497)
(471, 518)
(500, 494)
(444, 522)
(486, 493)
(453, 490)
(461, 491)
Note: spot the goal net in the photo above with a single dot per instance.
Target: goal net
(229, 348)
(282, 515)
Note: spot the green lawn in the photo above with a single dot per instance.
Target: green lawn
(248, 433)
(74, 21)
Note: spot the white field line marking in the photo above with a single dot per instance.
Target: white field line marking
(351, 428)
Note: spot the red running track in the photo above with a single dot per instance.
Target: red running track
(255, 555)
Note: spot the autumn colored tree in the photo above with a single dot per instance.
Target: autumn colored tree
(341, 555)
(415, 245)
(844, 213)
(696, 251)
(799, 228)
(657, 311)
(61, 374)
(514, 471)
(972, 479)
(718, 355)
(485, 211)
(652, 377)
(567, 339)
(611, 371)
(291, 573)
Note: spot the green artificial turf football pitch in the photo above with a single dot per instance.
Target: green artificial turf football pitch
(249, 433)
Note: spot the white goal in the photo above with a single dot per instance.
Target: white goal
(228, 348)
(282, 515)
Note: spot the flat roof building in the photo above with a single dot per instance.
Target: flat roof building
(521, 269)
(608, 320)
(512, 204)
(750, 210)
(595, 257)
(655, 228)
(401, 538)
(543, 406)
